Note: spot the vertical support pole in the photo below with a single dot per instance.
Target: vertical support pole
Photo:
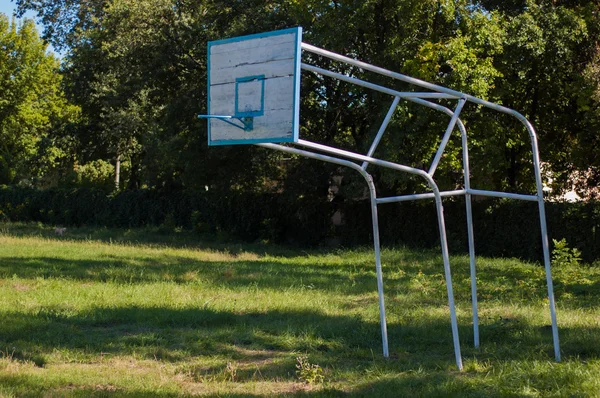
(545, 243)
(544, 232)
(473, 271)
(377, 245)
(446, 259)
(470, 234)
(546, 250)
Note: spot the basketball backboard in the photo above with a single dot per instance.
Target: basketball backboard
(254, 88)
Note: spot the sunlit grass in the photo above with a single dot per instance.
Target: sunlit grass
(98, 313)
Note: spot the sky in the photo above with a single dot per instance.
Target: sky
(8, 7)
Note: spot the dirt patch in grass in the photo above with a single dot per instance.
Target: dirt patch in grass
(106, 387)
(257, 357)
(21, 287)
(246, 256)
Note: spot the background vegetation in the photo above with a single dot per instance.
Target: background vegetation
(134, 75)
(119, 111)
(502, 228)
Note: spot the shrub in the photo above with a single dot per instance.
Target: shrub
(502, 227)
(95, 174)
(563, 255)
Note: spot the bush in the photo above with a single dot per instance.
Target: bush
(97, 173)
(502, 227)
(563, 255)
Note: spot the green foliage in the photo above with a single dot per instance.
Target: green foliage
(33, 108)
(94, 174)
(309, 373)
(563, 255)
(138, 71)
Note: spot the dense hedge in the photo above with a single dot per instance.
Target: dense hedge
(502, 228)
(247, 216)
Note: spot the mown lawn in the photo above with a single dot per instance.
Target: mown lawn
(143, 313)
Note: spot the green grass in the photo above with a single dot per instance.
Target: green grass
(149, 313)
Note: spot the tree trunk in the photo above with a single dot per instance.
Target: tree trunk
(117, 172)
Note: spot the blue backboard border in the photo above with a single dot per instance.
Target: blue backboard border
(296, 108)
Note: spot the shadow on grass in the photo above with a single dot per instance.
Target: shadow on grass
(420, 275)
(177, 334)
(350, 279)
(263, 346)
(427, 385)
(424, 385)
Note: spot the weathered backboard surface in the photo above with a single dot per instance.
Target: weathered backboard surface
(256, 80)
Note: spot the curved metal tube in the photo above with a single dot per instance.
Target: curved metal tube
(441, 224)
(543, 225)
(469, 211)
(540, 200)
(376, 241)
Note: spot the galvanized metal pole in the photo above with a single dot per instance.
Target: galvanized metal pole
(544, 232)
(470, 234)
(446, 259)
(441, 224)
(375, 220)
(386, 121)
(377, 245)
(446, 137)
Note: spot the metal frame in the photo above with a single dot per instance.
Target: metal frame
(348, 159)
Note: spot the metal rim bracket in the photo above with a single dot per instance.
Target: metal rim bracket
(247, 121)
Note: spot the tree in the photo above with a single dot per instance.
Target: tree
(32, 105)
(138, 70)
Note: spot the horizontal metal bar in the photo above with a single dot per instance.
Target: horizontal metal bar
(376, 69)
(413, 94)
(316, 156)
(479, 192)
(419, 196)
(373, 86)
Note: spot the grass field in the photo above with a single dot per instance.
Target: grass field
(145, 313)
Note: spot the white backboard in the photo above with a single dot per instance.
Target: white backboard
(255, 80)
